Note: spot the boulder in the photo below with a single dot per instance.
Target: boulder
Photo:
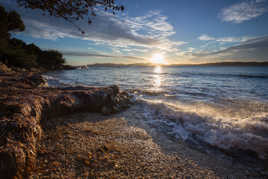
(37, 80)
(4, 68)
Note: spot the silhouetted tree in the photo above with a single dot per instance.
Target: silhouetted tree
(50, 59)
(33, 49)
(16, 43)
(9, 22)
(16, 52)
(14, 22)
(71, 9)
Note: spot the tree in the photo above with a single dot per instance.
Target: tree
(9, 21)
(71, 9)
(50, 59)
(18, 57)
(14, 22)
(16, 52)
(33, 49)
(16, 43)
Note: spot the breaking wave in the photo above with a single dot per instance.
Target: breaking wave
(222, 128)
(226, 108)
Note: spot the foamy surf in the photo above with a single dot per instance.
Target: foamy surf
(222, 107)
(200, 123)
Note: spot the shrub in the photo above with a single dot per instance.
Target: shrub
(15, 52)
(20, 58)
(50, 59)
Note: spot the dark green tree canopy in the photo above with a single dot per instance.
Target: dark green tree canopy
(9, 21)
(14, 22)
(71, 9)
(50, 59)
(15, 52)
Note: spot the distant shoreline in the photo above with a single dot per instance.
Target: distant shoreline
(177, 65)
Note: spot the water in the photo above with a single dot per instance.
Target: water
(223, 107)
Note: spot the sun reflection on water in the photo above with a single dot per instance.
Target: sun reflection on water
(157, 78)
(158, 69)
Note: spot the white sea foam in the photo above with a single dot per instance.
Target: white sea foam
(225, 107)
(198, 122)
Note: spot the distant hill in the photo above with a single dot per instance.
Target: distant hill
(203, 64)
(235, 64)
(118, 64)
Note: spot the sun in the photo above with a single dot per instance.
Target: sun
(158, 59)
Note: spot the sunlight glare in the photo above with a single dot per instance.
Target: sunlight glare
(158, 59)
(157, 77)
(158, 69)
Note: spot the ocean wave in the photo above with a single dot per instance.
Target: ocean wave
(190, 74)
(147, 92)
(153, 73)
(200, 123)
(48, 77)
(54, 81)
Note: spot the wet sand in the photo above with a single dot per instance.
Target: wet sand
(90, 145)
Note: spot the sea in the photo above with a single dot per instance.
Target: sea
(222, 107)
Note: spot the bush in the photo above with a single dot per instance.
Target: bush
(15, 52)
(50, 59)
(20, 58)
(17, 44)
(33, 49)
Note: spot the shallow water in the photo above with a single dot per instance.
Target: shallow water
(225, 107)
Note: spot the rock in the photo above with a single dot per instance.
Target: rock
(37, 80)
(4, 68)
(8, 167)
(25, 105)
(105, 110)
(87, 162)
(56, 164)
(35, 70)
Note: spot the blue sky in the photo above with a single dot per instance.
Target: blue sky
(184, 31)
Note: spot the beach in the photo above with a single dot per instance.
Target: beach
(133, 89)
(27, 102)
(120, 146)
(61, 130)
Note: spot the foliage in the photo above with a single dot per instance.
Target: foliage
(50, 59)
(17, 53)
(16, 43)
(9, 21)
(19, 58)
(33, 49)
(71, 9)
(14, 22)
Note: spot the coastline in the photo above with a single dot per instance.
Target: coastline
(27, 102)
(123, 145)
(51, 134)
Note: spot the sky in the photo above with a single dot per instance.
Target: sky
(180, 31)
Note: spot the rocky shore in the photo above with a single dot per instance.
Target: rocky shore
(78, 132)
(27, 103)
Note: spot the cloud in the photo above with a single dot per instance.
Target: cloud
(253, 49)
(86, 54)
(243, 11)
(205, 37)
(151, 31)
